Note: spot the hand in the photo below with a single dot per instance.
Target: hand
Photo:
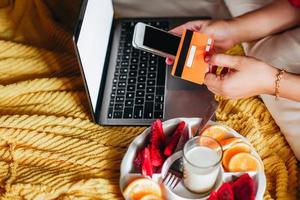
(246, 77)
(221, 31)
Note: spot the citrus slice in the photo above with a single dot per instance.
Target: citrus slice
(140, 188)
(228, 142)
(233, 150)
(217, 132)
(151, 197)
(243, 162)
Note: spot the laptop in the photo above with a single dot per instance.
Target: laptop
(126, 86)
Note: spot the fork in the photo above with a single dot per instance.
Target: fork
(174, 174)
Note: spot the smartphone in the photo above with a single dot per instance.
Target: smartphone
(154, 40)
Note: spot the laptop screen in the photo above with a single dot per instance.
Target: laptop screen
(92, 43)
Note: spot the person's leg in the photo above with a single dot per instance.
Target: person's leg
(281, 51)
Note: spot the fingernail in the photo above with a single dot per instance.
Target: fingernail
(207, 58)
(169, 61)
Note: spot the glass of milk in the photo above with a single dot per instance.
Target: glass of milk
(202, 156)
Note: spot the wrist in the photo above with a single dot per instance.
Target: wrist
(270, 81)
(235, 31)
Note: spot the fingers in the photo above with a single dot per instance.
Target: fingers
(178, 30)
(233, 62)
(192, 25)
(169, 61)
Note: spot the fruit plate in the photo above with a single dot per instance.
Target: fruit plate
(128, 172)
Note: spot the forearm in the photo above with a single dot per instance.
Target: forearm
(290, 87)
(278, 16)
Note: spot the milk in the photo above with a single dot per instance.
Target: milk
(201, 172)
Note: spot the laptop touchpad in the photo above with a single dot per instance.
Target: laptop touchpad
(185, 99)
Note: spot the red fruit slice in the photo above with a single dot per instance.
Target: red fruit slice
(158, 138)
(157, 157)
(170, 148)
(243, 188)
(147, 165)
(225, 192)
(213, 196)
(138, 161)
(157, 143)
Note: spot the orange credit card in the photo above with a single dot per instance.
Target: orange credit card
(189, 62)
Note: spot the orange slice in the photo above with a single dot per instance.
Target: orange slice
(233, 150)
(217, 132)
(151, 197)
(140, 188)
(244, 162)
(228, 142)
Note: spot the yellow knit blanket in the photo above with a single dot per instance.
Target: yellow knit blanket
(49, 148)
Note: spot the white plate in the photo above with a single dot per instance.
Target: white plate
(127, 168)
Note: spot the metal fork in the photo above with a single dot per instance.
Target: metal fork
(174, 174)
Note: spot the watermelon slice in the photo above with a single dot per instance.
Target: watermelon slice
(158, 138)
(170, 148)
(225, 192)
(157, 143)
(147, 165)
(243, 188)
(156, 156)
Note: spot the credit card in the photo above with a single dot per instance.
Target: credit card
(189, 62)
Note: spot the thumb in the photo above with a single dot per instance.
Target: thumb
(178, 30)
(233, 62)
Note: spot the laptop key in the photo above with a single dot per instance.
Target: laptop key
(152, 68)
(143, 65)
(152, 61)
(141, 79)
(110, 112)
(131, 80)
(142, 72)
(132, 73)
(150, 89)
(134, 60)
(122, 84)
(138, 112)
(123, 77)
(152, 75)
(158, 115)
(112, 95)
(127, 113)
(150, 82)
(150, 97)
(144, 58)
(119, 98)
(133, 67)
(141, 86)
(159, 99)
(119, 106)
(159, 107)
(130, 88)
(148, 110)
(161, 73)
(139, 101)
(118, 114)
(129, 95)
(129, 102)
(123, 71)
(120, 92)
(140, 93)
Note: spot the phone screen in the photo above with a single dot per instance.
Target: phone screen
(161, 40)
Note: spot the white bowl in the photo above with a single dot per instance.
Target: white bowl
(127, 171)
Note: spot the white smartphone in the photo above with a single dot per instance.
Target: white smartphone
(154, 40)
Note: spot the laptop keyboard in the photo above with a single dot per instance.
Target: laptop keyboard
(139, 80)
